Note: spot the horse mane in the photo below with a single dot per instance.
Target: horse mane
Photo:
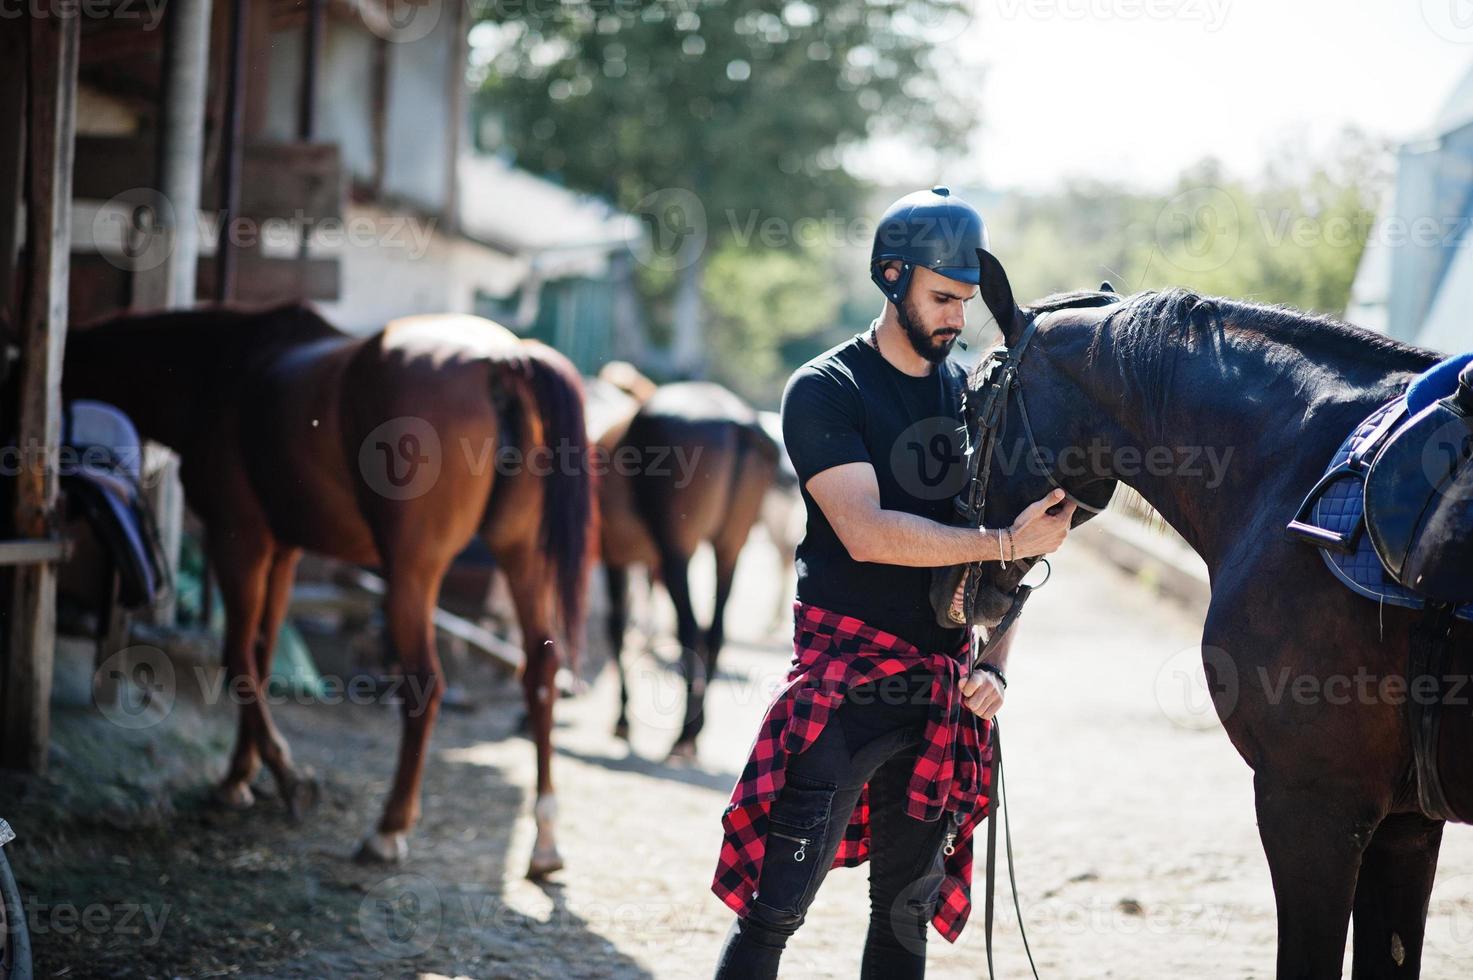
(1074, 299)
(1177, 314)
(1158, 327)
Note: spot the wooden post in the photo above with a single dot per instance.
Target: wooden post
(12, 157)
(379, 100)
(52, 97)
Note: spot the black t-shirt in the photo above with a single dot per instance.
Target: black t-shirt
(850, 405)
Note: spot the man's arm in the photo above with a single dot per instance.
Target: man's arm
(850, 498)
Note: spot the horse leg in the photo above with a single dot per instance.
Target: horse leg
(1313, 841)
(531, 590)
(675, 568)
(716, 633)
(1391, 897)
(618, 586)
(242, 564)
(298, 787)
(409, 610)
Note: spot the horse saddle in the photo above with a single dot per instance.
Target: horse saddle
(105, 486)
(1393, 515)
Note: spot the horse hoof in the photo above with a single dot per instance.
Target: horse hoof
(544, 863)
(682, 753)
(621, 730)
(234, 796)
(380, 848)
(302, 794)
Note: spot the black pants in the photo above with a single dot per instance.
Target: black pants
(872, 738)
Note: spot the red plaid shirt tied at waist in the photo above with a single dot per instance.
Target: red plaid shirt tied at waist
(953, 774)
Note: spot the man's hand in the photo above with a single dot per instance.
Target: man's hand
(1039, 532)
(982, 694)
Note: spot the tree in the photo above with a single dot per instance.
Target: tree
(1293, 235)
(709, 118)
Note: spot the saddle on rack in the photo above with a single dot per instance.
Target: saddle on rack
(105, 485)
(1401, 488)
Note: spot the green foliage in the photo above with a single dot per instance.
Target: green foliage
(1294, 235)
(758, 303)
(746, 103)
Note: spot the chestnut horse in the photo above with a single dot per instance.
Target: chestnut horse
(1223, 415)
(391, 450)
(692, 464)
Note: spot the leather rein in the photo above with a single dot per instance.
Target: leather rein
(986, 413)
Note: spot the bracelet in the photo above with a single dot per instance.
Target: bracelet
(995, 671)
(1000, 559)
(1012, 548)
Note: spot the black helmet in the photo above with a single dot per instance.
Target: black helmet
(931, 229)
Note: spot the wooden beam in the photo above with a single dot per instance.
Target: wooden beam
(261, 280)
(277, 180)
(52, 96)
(255, 46)
(30, 551)
(12, 158)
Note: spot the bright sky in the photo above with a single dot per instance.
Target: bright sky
(1136, 90)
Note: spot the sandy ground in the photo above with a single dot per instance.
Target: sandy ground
(1137, 854)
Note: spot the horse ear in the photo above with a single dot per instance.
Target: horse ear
(1105, 287)
(997, 293)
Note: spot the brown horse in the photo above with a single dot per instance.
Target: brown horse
(392, 450)
(692, 464)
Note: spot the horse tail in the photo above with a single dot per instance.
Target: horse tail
(552, 400)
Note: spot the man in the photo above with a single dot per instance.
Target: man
(867, 754)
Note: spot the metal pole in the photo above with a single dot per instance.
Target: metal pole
(230, 152)
(182, 140)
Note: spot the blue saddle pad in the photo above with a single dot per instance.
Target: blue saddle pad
(1436, 383)
(1341, 507)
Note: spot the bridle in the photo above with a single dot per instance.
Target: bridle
(996, 383)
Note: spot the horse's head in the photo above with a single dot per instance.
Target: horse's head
(1040, 440)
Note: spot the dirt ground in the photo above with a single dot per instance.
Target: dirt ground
(1137, 853)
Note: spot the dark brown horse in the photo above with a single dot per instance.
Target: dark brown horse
(1150, 391)
(392, 450)
(691, 465)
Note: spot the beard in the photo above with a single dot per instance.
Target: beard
(923, 343)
